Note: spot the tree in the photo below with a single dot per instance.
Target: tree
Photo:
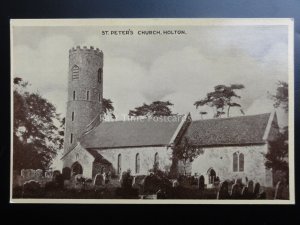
(108, 108)
(277, 156)
(155, 109)
(281, 96)
(220, 98)
(186, 152)
(36, 135)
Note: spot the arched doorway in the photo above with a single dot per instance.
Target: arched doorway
(76, 169)
(211, 175)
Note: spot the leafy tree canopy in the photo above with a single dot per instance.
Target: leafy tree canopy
(155, 109)
(186, 152)
(108, 108)
(37, 134)
(281, 97)
(221, 98)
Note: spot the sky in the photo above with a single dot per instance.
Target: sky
(145, 68)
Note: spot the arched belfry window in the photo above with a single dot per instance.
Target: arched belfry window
(137, 163)
(100, 71)
(75, 72)
(238, 162)
(119, 169)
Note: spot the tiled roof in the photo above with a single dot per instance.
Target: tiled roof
(228, 131)
(146, 132)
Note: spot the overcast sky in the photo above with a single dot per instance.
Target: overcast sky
(142, 69)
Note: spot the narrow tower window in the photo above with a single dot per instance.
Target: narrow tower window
(88, 95)
(73, 95)
(71, 138)
(99, 97)
(75, 72)
(100, 75)
(72, 116)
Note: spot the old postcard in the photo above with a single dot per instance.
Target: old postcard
(184, 111)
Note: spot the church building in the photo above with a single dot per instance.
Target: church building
(232, 147)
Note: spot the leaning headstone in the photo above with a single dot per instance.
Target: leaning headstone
(256, 190)
(236, 191)
(223, 191)
(279, 190)
(55, 173)
(98, 180)
(201, 183)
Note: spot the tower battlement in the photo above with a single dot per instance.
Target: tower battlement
(91, 49)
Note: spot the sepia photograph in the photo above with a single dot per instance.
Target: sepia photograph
(152, 111)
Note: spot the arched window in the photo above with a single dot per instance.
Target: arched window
(137, 163)
(71, 138)
(238, 162)
(119, 169)
(75, 72)
(156, 159)
(72, 116)
(235, 162)
(74, 95)
(241, 162)
(211, 175)
(100, 75)
(88, 95)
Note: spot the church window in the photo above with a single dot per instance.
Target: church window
(88, 95)
(156, 159)
(75, 72)
(119, 169)
(72, 116)
(238, 162)
(74, 95)
(137, 163)
(235, 162)
(99, 97)
(71, 138)
(241, 162)
(100, 75)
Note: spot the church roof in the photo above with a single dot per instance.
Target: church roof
(229, 131)
(145, 132)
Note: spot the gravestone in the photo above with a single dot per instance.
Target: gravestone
(279, 190)
(48, 174)
(223, 191)
(175, 183)
(256, 190)
(98, 180)
(238, 181)
(245, 193)
(31, 188)
(55, 173)
(236, 191)
(66, 172)
(201, 183)
(250, 186)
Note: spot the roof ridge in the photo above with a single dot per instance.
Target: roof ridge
(228, 118)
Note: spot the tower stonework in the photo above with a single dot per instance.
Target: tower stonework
(85, 92)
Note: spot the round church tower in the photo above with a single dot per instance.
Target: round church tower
(85, 91)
